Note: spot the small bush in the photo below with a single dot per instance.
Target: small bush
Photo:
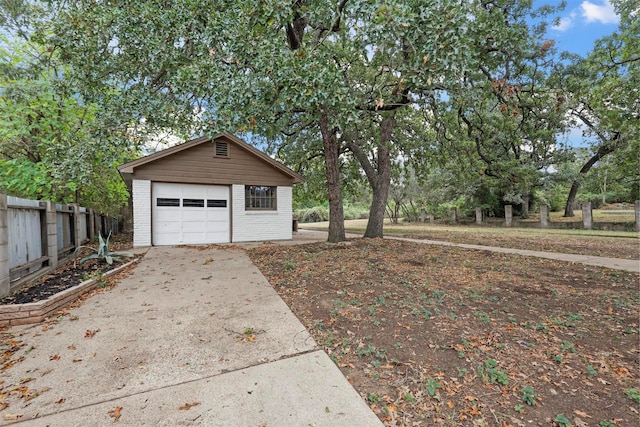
(314, 214)
(355, 212)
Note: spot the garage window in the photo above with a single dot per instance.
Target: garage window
(193, 203)
(260, 197)
(165, 202)
(217, 203)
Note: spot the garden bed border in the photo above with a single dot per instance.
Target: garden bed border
(36, 312)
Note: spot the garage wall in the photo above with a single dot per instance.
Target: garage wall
(250, 226)
(141, 192)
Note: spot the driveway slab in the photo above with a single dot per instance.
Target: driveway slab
(186, 326)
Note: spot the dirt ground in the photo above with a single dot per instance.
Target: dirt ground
(432, 335)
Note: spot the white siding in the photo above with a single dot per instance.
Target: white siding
(141, 192)
(250, 226)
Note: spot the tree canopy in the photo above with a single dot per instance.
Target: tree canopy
(368, 87)
(52, 145)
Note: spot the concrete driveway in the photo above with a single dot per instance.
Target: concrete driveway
(190, 337)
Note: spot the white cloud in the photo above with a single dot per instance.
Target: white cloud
(563, 24)
(603, 13)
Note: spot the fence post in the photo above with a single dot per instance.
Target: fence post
(508, 215)
(423, 214)
(454, 215)
(587, 216)
(636, 206)
(52, 234)
(544, 214)
(5, 274)
(92, 223)
(76, 225)
(478, 216)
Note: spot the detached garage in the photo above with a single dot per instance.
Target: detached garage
(209, 190)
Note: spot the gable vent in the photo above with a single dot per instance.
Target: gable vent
(222, 149)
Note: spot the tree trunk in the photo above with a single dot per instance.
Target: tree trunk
(571, 199)
(379, 176)
(332, 165)
(602, 151)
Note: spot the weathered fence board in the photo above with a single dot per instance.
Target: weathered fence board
(25, 237)
(34, 235)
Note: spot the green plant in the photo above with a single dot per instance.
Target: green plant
(633, 394)
(370, 349)
(484, 317)
(607, 423)
(103, 253)
(568, 346)
(529, 395)
(562, 421)
(432, 386)
(491, 374)
(373, 397)
(289, 265)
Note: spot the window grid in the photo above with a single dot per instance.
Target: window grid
(259, 197)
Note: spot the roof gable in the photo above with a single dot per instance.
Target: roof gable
(163, 156)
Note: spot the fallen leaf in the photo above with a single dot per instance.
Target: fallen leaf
(54, 357)
(188, 406)
(90, 333)
(116, 413)
(62, 400)
(581, 414)
(11, 417)
(475, 411)
(71, 347)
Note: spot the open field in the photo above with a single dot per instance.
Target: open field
(615, 244)
(433, 335)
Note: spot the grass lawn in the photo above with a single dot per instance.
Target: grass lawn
(433, 335)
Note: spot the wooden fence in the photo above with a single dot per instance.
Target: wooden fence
(35, 235)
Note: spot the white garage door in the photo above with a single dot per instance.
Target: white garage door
(189, 214)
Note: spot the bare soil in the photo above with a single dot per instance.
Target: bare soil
(432, 335)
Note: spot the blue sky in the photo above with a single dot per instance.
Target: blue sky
(581, 23)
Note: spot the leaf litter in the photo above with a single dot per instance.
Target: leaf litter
(432, 335)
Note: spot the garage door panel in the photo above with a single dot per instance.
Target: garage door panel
(192, 222)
